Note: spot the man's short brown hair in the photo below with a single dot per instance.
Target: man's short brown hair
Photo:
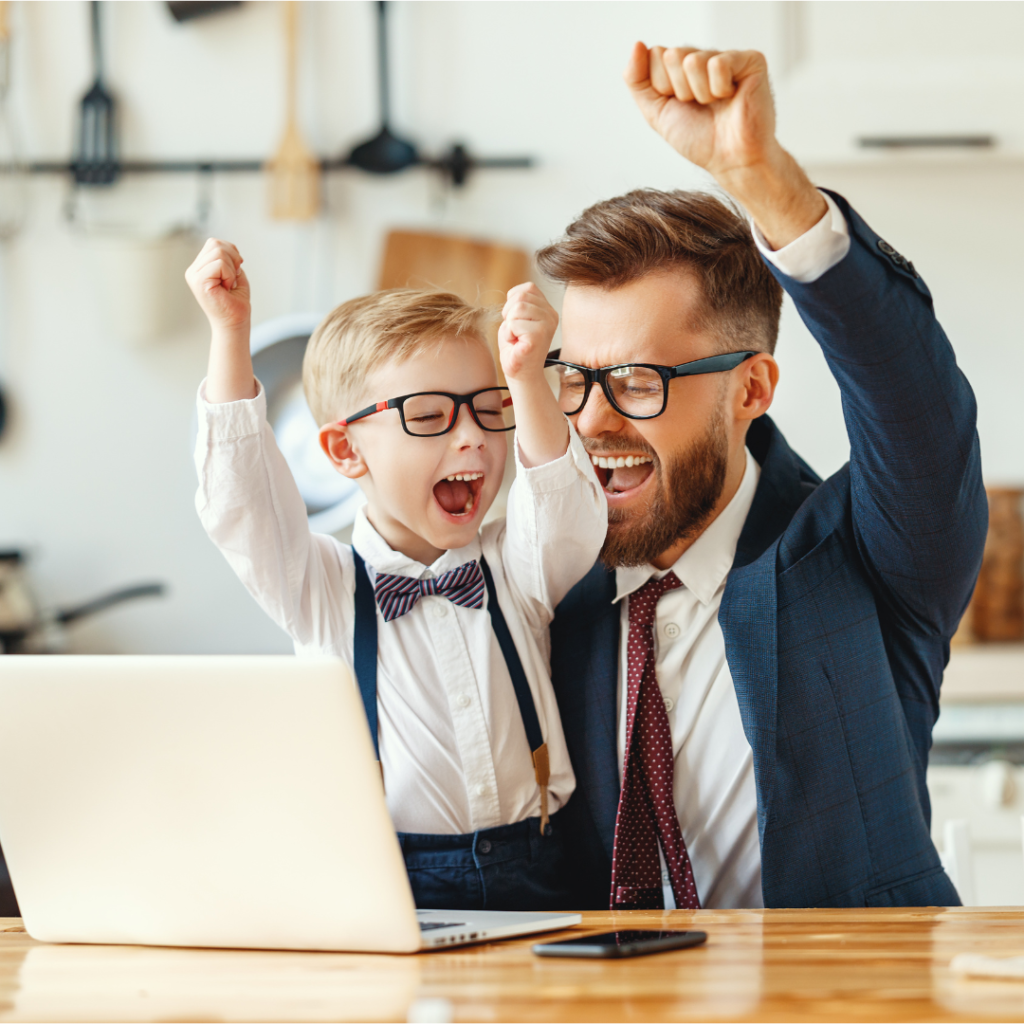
(619, 240)
(363, 334)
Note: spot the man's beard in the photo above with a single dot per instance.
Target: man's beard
(686, 491)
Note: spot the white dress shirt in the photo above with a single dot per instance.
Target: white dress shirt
(816, 251)
(452, 742)
(715, 795)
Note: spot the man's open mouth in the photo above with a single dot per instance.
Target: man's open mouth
(459, 494)
(621, 473)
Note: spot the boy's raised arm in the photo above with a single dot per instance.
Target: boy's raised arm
(528, 325)
(222, 290)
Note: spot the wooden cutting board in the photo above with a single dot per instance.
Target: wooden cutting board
(477, 271)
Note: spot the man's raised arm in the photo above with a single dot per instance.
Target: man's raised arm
(919, 511)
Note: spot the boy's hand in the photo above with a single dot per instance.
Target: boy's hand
(220, 285)
(222, 290)
(527, 327)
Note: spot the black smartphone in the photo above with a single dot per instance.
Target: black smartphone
(635, 942)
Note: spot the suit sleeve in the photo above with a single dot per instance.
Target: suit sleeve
(918, 503)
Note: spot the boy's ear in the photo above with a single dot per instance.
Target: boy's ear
(338, 447)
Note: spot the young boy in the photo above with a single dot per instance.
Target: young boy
(445, 622)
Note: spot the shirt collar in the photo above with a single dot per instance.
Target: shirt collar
(381, 557)
(704, 565)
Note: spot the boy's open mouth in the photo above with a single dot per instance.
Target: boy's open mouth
(459, 494)
(621, 473)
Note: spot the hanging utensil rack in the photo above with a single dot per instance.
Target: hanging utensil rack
(384, 154)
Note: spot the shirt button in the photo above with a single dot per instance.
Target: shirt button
(482, 789)
(462, 700)
(441, 609)
(669, 703)
(672, 631)
(484, 846)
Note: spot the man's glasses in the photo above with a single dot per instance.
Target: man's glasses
(431, 413)
(639, 391)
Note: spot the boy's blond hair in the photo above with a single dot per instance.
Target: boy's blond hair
(363, 334)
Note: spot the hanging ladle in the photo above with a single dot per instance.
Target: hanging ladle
(385, 153)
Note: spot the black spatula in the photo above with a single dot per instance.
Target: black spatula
(96, 161)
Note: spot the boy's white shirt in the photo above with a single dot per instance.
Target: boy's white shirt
(452, 742)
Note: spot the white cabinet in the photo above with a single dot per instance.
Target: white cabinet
(981, 725)
(990, 798)
(846, 72)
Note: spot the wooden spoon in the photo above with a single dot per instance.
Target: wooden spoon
(294, 169)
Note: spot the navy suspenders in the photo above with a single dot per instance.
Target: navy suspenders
(365, 665)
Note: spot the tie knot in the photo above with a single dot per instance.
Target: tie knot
(643, 603)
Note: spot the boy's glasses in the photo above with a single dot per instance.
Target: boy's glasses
(639, 391)
(431, 413)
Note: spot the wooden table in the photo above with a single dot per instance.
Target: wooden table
(799, 965)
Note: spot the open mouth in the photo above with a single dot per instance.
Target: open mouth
(620, 474)
(459, 495)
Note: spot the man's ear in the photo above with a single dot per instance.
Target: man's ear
(339, 448)
(760, 376)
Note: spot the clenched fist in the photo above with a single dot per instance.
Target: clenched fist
(222, 290)
(220, 285)
(715, 108)
(528, 324)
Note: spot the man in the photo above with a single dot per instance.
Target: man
(749, 680)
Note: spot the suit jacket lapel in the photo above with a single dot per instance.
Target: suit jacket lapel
(600, 721)
(585, 671)
(749, 605)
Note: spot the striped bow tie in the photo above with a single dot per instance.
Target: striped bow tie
(398, 594)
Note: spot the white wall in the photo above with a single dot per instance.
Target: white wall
(96, 474)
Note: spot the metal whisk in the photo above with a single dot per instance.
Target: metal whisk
(96, 160)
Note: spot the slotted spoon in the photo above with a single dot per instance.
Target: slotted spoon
(96, 161)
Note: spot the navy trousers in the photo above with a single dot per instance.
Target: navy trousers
(511, 867)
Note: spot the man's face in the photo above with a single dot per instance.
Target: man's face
(681, 458)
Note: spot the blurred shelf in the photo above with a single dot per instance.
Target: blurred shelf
(966, 158)
(984, 673)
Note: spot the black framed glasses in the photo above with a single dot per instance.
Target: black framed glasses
(432, 413)
(639, 391)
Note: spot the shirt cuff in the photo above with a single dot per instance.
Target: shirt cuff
(815, 252)
(222, 421)
(561, 472)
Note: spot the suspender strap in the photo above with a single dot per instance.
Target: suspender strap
(364, 645)
(365, 664)
(539, 749)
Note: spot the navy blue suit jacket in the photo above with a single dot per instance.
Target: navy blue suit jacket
(837, 613)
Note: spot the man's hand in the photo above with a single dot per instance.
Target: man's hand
(716, 110)
(220, 285)
(528, 323)
(527, 327)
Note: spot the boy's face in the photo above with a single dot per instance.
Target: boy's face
(411, 502)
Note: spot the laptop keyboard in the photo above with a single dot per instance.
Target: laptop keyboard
(429, 926)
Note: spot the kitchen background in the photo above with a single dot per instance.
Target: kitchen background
(911, 110)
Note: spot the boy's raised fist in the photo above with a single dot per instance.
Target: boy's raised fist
(220, 285)
(528, 324)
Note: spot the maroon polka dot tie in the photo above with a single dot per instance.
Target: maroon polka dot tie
(647, 812)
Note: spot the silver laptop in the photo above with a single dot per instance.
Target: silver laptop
(208, 801)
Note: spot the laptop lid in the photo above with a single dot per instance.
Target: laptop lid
(197, 801)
